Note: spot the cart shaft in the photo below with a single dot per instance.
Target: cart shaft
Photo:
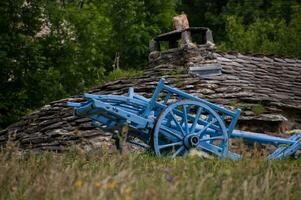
(260, 137)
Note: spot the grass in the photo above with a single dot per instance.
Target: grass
(258, 109)
(119, 73)
(102, 175)
(233, 103)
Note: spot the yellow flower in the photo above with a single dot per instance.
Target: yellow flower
(128, 190)
(97, 184)
(127, 194)
(111, 185)
(78, 183)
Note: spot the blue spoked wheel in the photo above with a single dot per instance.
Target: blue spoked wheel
(187, 125)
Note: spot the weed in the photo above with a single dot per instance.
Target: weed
(233, 103)
(119, 73)
(258, 109)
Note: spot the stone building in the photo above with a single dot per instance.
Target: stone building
(266, 88)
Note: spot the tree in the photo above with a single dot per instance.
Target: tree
(19, 56)
(47, 52)
(52, 49)
(205, 13)
(134, 24)
(268, 31)
(259, 26)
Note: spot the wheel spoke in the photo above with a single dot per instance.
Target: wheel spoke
(170, 145)
(185, 118)
(182, 118)
(196, 119)
(177, 123)
(178, 151)
(211, 148)
(206, 127)
(172, 132)
(209, 118)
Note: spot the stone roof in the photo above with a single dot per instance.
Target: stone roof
(270, 83)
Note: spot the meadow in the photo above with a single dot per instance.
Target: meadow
(108, 175)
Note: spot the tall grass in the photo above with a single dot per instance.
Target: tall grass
(102, 175)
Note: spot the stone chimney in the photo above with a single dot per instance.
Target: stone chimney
(189, 47)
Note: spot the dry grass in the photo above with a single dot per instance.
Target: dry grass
(74, 175)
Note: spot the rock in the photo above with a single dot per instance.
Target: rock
(180, 22)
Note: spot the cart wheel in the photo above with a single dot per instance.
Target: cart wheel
(189, 125)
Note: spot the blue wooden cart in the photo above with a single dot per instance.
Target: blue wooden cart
(173, 122)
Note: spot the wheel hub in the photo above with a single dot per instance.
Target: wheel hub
(191, 141)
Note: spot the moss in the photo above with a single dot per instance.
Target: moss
(119, 73)
(258, 109)
(175, 72)
(233, 103)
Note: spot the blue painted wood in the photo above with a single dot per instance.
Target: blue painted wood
(181, 134)
(286, 150)
(259, 137)
(173, 130)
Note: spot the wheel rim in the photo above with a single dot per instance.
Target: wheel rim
(187, 125)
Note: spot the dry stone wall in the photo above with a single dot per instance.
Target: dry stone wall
(267, 89)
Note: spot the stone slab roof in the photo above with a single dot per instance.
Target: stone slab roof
(246, 82)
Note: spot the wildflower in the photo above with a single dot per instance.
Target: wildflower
(127, 194)
(111, 185)
(78, 183)
(128, 190)
(97, 184)
(127, 197)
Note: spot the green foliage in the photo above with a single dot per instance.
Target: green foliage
(258, 109)
(233, 103)
(102, 175)
(38, 67)
(119, 73)
(49, 50)
(135, 23)
(20, 56)
(270, 36)
(205, 13)
(270, 27)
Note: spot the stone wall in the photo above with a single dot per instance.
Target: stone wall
(267, 89)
